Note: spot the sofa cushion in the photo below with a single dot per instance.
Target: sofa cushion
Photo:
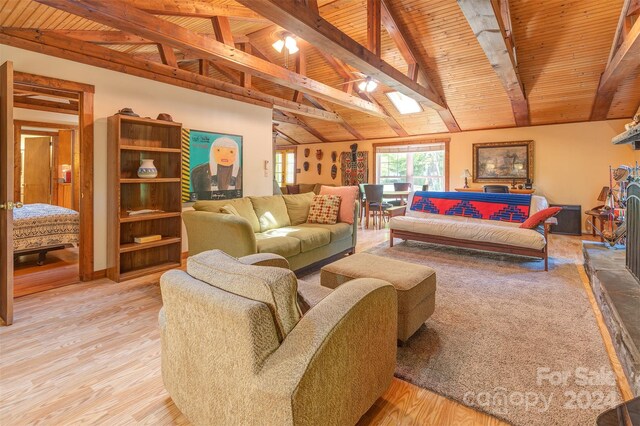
(275, 287)
(271, 212)
(324, 209)
(348, 195)
(242, 205)
(479, 230)
(306, 187)
(310, 237)
(229, 209)
(282, 245)
(298, 207)
(338, 230)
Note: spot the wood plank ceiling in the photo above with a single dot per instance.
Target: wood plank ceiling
(562, 48)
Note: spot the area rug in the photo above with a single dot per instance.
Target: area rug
(508, 338)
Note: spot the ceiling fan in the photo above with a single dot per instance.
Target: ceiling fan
(366, 83)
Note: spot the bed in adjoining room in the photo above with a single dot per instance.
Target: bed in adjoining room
(40, 228)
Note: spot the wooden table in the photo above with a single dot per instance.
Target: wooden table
(511, 191)
(398, 195)
(602, 216)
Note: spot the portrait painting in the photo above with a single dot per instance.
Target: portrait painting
(503, 161)
(214, 164)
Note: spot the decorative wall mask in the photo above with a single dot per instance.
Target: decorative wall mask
(334, 156)
(319, 154)
(319, 168)
(307, 151)
(305, 166)
(334, 171)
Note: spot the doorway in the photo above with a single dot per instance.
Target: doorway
(40, 93)
(46, 182)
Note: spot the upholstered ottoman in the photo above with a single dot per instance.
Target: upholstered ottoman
(416, 285)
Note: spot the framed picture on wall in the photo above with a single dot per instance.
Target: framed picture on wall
(503, 161)
(212, 166)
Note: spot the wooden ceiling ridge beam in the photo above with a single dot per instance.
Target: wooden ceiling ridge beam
(72, 49)
(486, 20)
(310, 26)
(624, 60)
(417, 71)
(121, 15)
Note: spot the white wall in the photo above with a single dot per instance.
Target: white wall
(148, 98)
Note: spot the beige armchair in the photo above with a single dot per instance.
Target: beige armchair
(231, 359)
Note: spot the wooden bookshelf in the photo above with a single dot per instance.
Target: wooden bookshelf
(130, 140)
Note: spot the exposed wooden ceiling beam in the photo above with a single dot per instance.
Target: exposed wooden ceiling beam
(624, 60)
(282, 118)
(343, 71)
(45, 105)
(286, 137)
(87, 53)
(105, 37)
(374, 27)
(310, 26)
(222, 30)
(167, 55)
(196, 9)
(121, 15)
(417, 69)
(36, 90)
(245, 77)
(485, 19)
(42, 124)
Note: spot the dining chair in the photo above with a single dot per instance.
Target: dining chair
(499, 189)
(400, 186)
(362, 198)
(374, 203)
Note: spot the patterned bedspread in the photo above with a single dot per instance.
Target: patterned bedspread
(43, 225)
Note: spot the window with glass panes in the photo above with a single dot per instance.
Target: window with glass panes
(419, 164)
(284, 166)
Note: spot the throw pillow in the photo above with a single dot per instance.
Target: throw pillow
(539, 217)
(348, 195)
(229, 209)
(324, 209)
(293, 189)
(298, 207)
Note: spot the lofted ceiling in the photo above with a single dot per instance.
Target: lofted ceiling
(561, 49)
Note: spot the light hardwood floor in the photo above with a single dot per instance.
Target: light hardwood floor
(89, 353)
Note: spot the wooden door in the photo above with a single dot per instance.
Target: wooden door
(6, 192)
(37, 170)
(62, 160)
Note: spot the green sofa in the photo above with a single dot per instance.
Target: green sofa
(269, 224)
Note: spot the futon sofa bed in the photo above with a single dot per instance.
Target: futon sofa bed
(480, 221)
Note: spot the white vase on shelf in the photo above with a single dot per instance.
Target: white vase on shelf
(147, 169)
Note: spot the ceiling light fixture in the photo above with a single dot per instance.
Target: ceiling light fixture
(367, 85)
(288, 41)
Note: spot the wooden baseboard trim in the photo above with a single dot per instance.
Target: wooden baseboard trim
(102, 273)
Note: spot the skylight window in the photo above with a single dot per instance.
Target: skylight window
(403, 103)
